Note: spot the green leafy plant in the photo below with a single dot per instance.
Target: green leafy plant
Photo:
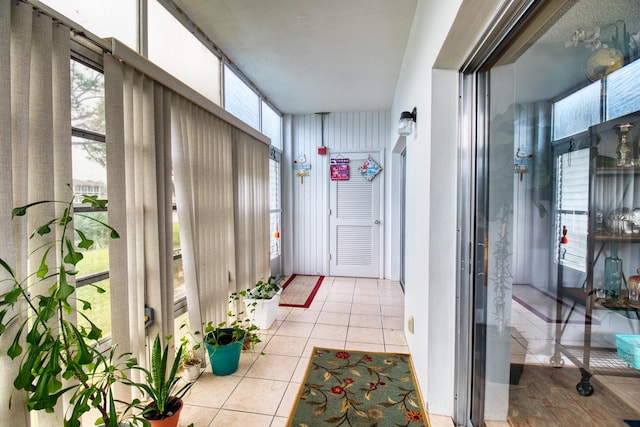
(163, 383)
(236, 328)
(263, 289)
(44, 322)
(189, 345)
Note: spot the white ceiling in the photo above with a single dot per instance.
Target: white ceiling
(311, 56)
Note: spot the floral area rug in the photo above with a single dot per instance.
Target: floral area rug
(354, 388)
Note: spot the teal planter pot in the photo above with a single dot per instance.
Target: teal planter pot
(226, 357)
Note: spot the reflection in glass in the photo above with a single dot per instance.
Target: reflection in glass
(576, 112)
(623, 91)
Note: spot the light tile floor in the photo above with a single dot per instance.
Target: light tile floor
(346, 313)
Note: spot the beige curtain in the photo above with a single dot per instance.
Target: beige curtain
(35, 138)
(139, 176)
(203, 173)
(251, 204)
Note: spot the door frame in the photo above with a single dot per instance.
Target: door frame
(473, 146)
(380, 153)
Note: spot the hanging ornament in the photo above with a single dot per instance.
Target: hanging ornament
(276, 235)
(564, 239)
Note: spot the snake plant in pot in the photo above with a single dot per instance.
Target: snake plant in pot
(46, 324)
(164, 387)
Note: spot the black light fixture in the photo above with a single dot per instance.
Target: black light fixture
(405, 126)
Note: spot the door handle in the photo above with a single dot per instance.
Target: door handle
(377, 221)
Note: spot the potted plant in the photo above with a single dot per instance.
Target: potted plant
(190, 362)
(163, 387)
(45, 322)
(224, 341)
(262, 302)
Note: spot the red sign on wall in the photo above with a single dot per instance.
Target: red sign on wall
(339, 169)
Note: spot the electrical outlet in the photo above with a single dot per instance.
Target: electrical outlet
(410, 324)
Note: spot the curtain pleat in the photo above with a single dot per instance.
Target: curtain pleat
(203, 179)
(138, 170)
(35, 138)
(251, 180)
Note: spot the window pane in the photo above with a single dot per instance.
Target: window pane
(240, 100)
(100, 312)
(87, 98)
(577, 112)
(113, 18)
(274, 184)
(96, 259)
(89, 167)
(272, 125)
(178, 271)
(172, 46)
(623, 91)
(275, 240)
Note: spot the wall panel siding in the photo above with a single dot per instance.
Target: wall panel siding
(309, 226)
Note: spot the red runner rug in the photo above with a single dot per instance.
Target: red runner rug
(299, 290)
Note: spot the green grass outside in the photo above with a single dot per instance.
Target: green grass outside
(96, 261)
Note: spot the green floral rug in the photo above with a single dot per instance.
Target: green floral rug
(354, 388)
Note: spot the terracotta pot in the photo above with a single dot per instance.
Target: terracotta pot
(172, 421)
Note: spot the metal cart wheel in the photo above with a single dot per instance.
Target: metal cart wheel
(556, 361)
(585, 388)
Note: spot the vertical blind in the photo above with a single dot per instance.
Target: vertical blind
(573, 207)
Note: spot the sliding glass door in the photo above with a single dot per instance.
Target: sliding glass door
(556, 241)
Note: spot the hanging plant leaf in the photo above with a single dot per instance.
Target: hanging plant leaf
(15, 349)
(22, 210)
(73, 256)
(85, 243)
(65, 289)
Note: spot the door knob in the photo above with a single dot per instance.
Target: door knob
(377, 221)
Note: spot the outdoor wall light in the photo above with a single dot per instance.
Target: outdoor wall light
(405, 126)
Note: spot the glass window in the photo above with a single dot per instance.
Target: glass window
(87, 98)
(272, 125)
(89, 162)
(178, 271)
(171, 46)
(576, 112)
(113, 18)
(275, 207)
(100, 304)
(623, 91)
(240, 100)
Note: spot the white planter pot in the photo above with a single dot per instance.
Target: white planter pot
(264, 312)
(191, 372)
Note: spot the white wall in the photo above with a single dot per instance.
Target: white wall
(443, 31)
(306, 227)
(430, 232)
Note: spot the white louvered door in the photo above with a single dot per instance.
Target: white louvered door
(356, 222)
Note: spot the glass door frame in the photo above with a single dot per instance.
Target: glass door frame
(473, 150)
